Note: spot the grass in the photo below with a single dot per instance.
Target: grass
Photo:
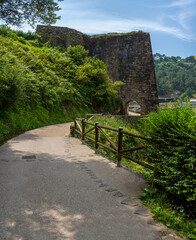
(116, 34)
(16, 121)
(172, 216)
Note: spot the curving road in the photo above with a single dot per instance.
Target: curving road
(54, 188)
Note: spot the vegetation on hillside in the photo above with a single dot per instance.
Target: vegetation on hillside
(175, 76)
(41, 85)
(35, 76)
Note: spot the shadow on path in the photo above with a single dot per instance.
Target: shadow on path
(53, 187)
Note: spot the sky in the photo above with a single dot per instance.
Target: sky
(171, 23)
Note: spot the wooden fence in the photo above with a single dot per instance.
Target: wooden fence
(80, 126)
(92, 115)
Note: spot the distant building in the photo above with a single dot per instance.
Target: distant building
(163, 101)
(193, 102)
(166, 100)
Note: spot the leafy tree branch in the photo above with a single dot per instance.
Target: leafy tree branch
(17, 12)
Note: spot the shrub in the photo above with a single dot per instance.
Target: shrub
(34, 76)
(44, 76)
(173, 151)
(11, 80)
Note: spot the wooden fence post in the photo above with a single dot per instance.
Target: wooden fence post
(75, 126)
(83, 130)
(119, 146)
(96, 137)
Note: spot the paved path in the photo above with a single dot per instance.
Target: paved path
(54, 188)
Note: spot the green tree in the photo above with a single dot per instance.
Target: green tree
(35, 74)
(16, 12)
(175, 74)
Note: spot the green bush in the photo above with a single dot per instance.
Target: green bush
(35, 76)
(41, 75)
(173, 151)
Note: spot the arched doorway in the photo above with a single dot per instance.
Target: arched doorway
(133, 108)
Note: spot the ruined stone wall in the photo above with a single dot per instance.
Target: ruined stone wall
(128, 58)
(62, 36)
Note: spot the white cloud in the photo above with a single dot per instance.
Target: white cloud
(85, 18)
(184, 12)
(126, 25)
(181, 3)
(181, 19)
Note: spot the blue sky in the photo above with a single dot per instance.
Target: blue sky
(171, 23)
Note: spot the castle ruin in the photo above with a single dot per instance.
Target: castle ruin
(128, 57)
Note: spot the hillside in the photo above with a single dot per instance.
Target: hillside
(175, 76)
(41, 85)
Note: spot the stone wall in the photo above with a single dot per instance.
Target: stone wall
(62, 36)
(128, 58)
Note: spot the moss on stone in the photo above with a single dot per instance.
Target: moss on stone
(117, 34)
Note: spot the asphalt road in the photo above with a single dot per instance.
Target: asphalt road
(54, 188)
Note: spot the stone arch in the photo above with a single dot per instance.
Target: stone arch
(138, 101)
(133, 108)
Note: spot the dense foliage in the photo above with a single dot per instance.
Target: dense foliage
(33, 74)
(173, 152)
(175, 76)
(16, 12)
